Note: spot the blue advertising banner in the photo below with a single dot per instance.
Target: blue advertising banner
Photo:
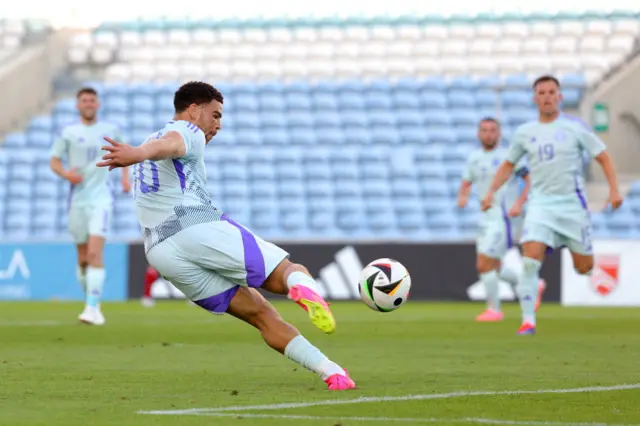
(47, 271)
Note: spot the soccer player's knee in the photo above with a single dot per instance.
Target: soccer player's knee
(263, 315)
(485, 264)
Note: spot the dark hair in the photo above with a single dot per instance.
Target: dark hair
(86, 91)
(545, 78)
(489, 120)
(195, 92)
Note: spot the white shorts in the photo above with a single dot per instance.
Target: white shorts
(89, 221)
(208, 262)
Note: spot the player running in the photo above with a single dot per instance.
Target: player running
(500, 224)
(91, 197)
(557, 214)
(214, 261)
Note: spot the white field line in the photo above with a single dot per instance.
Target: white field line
(407, 419)
(390, 398)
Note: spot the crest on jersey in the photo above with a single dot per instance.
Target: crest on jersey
(605, 279)
(81, 139)
(496, 162)
(533, 140)
(560, 136)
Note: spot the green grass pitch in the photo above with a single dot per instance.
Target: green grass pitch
(54, 371)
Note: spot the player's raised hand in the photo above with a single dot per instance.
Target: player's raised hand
(119, 155)
(73, 176)
(615, 199)
(487, 202)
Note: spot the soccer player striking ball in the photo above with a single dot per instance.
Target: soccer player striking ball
(557, 215)
(501, 223)
(214, 261)
(91, 197)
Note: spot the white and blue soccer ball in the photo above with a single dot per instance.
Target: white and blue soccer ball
(384, 285)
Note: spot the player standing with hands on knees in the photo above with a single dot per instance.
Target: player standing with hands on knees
(500, 224)
(214, 261)
(557, 214)
(91, 198)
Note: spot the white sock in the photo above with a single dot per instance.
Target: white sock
(300, 278)
(81, 273)
(510, 276)
(95, 282)
(490, 281)
(304, 353)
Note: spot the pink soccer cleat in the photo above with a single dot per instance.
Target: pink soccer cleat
(318, 309)
(490, 316)
(339, 382)
(527, 328)
(542, 285)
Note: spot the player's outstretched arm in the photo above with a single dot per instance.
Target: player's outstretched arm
(170, 145)
(615, 198)
(502, 175)
(463, 193)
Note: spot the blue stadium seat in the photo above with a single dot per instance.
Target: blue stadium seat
(437, 118)
(487, 98)
(232, 172)
(354, 120)
(15, 140)
(272, 88)
(320, 189)
(301, 136)
(265, 217)
(263, 189)
(354, 136)
(143, 122)
(293, 217)
(41, 123)
(62, 119)
(431, 170)
(39, 138)
(298, 102)
(330, 137)
(116, 104)
(467, 135)
(435, 189)
(275, 137)
(66, 106)
(122, 121)
(326, 119)
(243, 103)
(516, 98)
(261, 172)
(301, 87)
(571, 97)
(46, 190)
(299, 120)
(464, 117)
(433, 100)
(410, 118)
(434, 84)
(321, 220)
(347, 190)
(375, 101)
(407, 100)
(143, 103)
(407, 85)
(248, 137)
(267, 121)
(462, 84)
(266, 102)
(235, 190)
(350, 102)
(404, 187)
(441, 135)
(382, 219)
(324, 102)
(461, 99)
(291, 188)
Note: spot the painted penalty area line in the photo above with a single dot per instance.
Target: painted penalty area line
(391, 398)
(473, 420)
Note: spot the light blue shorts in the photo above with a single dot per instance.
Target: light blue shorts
(497, 235)
(561, 225)
(208, 262)
(86, 221)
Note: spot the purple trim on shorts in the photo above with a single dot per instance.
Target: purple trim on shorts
(253, 259)
(219, 303)
(583, 201)
(180, 171)
(507, 224)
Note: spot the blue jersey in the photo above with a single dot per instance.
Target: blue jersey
(481, 170)
(553, 152)
(81, 145)
(171, 194)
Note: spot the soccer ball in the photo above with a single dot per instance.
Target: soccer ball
(384, 285)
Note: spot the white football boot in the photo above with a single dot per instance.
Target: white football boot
(91, 316)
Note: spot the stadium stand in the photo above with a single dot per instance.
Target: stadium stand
(332, 128)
